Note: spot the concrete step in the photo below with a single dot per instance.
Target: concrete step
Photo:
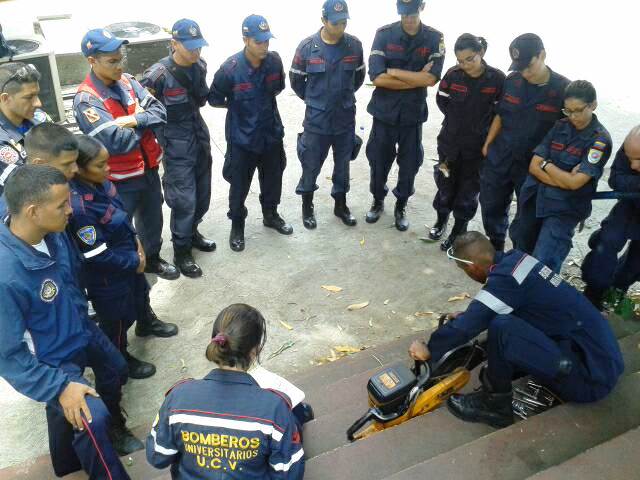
(615, 459)
(540, 442)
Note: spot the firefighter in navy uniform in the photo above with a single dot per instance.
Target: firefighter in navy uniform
(327, 70)
(467, 96)
(19, 111)
(179, 82)
(113, 257)
(564, 174)
(115, 109)
(225, 425)
(406, 58)
(247, 85)
(537, 324)
(46, 337)
(601, 268)
(531, 103)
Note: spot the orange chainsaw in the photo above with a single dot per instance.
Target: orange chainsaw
(398, 393)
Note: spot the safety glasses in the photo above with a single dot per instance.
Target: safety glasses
(451, 256)
(22, 75)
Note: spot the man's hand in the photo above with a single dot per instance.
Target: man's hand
(128, 121)
(139, 109)
(419, 351)
(143, 258)
(74, 405)
(485, 150)
(427, 67)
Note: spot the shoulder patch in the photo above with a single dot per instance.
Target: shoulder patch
(8, 155)
(91, 115)
(177, 384)
(87, 235)
(40, 116)
(48, 291)
(594, 156)
(599, 145)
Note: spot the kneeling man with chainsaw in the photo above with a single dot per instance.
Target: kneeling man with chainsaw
(537, 325)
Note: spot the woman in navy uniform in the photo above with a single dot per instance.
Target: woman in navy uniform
(225, 424)
(563, 176)
(114, 259)
(467, 97)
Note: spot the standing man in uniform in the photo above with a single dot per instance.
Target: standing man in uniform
(179, 82)
(247, 85)
(327, 70)
(406, 58)
(115, 109)
(46, 336)
(601, 268)
(19, 111)
(531, 103)
(537, 324)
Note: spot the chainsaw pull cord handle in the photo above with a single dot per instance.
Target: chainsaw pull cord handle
(361, 422)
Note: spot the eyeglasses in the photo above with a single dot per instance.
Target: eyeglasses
(451, 256)
(468, 60)
(568, 113)
(22, 75)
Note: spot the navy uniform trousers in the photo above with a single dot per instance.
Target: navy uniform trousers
(388, 143)
(458, 193)
(313, 149)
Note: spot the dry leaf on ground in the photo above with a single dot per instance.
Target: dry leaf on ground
(423, 314)
(347, 349)
(358, 306)
(332, 288)
(457, 298)
(286, 325)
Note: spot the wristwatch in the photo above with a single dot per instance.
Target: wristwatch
(544, 164)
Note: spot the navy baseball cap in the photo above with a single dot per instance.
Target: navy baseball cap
(100, 40)
(523, 49)
(335, 11)
(256, 27)
(188, 33)
(408, 7)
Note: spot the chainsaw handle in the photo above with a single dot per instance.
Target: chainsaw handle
(361, 422)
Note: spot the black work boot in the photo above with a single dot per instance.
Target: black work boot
(236, 237)
(308, 217)
(595, 296)
(124, 442)
(161, 268)
(152, 325)
(341, 210)
(402, 224)
(438, 229)
(139, 369)
(374, 213)
(482, 406)
(200, 242)
(459, 227)
(183, 259)
(271, 219)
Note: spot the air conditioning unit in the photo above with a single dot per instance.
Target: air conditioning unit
(35, 50)
(148, 43)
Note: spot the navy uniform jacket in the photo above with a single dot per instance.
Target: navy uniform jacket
(12, 152)
(623, 178)
(328, 87)
(105, 237)
(393, 48)
(117, 140)
(43, 314)
(527, 112)
(566, 148)
(468, 105)
(253, 121)
(184, 120)
(520, 285)
(226, 426)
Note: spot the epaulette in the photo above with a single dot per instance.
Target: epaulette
(77, 202)
(155, 71)
(184, 380)
(86, 97)
(281, 395)
(513, 74)
(386, 27)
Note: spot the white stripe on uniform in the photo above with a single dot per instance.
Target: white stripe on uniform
(99, 128)
(96, 251)
(242, 425)
(378, 52)
(7, 172)
(159, 448)
(298, 72)
(284, 467)
(523, 269)
(493, 302)
(444, 94)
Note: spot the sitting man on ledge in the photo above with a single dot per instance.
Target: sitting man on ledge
(537, 325)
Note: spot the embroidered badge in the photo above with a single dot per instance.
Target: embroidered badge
(107, 33)
(89, 45)
(49, 291)
(594, 156)
(40, 116)
(193, 31)
(600, 145)
(91, 114)
(338, 7)
(8, 155)
(515, 53)
(88, 235)
(264, 26)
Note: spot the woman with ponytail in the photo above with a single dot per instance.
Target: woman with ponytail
(226, 423)
(467, 96)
